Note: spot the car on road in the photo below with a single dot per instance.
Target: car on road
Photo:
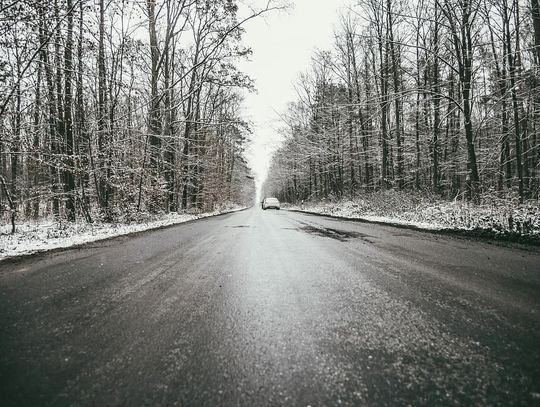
(269, 203)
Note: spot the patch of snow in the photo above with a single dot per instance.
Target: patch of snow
(386, 219)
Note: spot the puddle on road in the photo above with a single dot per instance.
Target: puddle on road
(239, 226)
(341, 235)
(336, 234)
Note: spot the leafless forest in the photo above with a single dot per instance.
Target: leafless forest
(437, 96)
(109, 109)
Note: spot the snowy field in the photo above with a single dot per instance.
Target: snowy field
(35, 237)
(497, 218)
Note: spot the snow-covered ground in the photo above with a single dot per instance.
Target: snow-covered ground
(35, 237)
(495, 217)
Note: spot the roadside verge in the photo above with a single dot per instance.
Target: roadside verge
(477, 233)
(35, 239)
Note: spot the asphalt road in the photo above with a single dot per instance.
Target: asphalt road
(273, 308)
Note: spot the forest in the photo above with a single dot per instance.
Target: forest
(113, 109)
(438, 97)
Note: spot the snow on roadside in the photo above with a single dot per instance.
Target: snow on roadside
(36, 237)
(344, 213)
(497, 218)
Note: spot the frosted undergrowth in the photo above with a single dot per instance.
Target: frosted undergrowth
(32, 237)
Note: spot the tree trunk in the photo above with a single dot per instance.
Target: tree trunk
(436, 104)
(397, 97)
(69, 177)
(154, 119)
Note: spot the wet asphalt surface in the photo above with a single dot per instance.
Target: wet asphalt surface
(273, 308)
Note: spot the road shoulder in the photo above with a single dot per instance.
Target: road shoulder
(508, 239)
(24, 245)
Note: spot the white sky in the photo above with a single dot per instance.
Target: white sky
(283, 43)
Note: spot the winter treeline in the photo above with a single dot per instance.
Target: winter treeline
(110, 108)
(431, 95)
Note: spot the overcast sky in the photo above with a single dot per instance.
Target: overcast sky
(282, 44)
